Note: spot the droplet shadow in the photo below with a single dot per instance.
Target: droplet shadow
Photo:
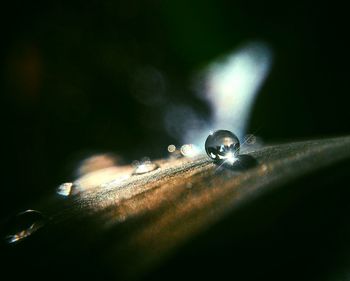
(243, 162)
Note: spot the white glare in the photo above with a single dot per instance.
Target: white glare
(231, 86)
(231, 159)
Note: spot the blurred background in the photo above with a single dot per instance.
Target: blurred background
(85, 77)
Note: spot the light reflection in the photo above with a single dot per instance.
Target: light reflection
(97, 162)
(231, 86)
(100, 177)
(145, 167)
(65, 189)
(24, 225)
(171, 148)
(230, 158)
(189, 150)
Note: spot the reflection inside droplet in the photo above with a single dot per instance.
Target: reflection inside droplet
(24, 225)
(144, 167)
(222, 146)
(65, 189)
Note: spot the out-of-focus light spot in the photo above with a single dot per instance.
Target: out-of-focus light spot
(97, 162)
(221, 145)
(230, 87)
(171, 148)
(189, 150)
(234, 83)
(65, 189)
(99, 177)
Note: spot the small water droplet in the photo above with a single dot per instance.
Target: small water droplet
(222, 146)
(174, 152)
(189, 150)
(171, 148)
(65, 189)
(23, 225)
(144, 167)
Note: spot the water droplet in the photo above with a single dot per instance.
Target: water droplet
(171, 148)
(174, 152)
(23, 225)
(222, 146)
(65, 189)
(144, 167)
(189, 150)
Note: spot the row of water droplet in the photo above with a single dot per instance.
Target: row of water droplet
(26, 223)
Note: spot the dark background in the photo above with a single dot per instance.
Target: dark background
(79, 77)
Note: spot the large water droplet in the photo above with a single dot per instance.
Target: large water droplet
(23, 225)
(144, 167)
(65, 189)
(222, 146)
